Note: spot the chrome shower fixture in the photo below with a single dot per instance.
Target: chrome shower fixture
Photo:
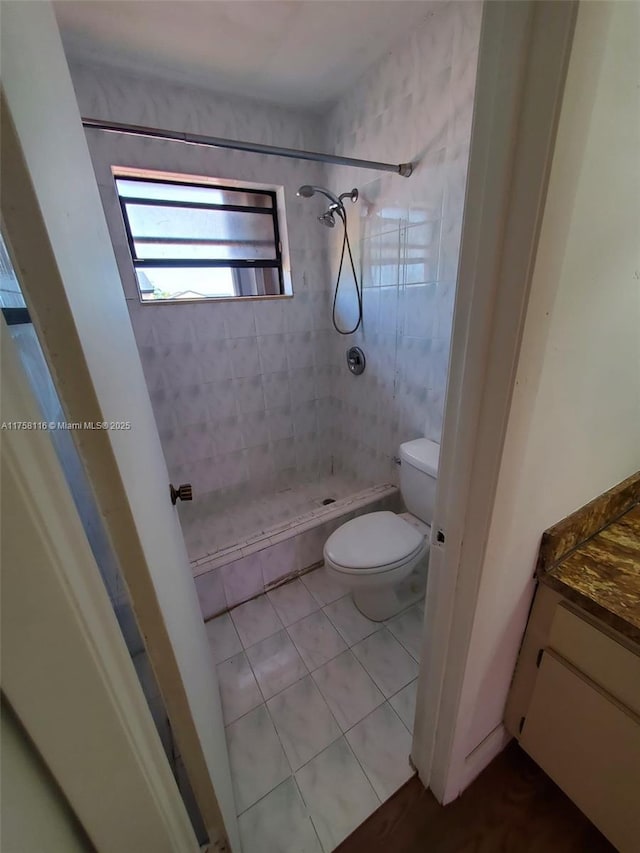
(328, 218)
(352, 194)
(337, 206)
(307, 190)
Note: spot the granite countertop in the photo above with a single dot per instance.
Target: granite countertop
(602, 574)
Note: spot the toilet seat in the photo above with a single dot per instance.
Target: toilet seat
(374, 543)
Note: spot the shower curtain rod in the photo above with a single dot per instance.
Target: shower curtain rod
(403, 169)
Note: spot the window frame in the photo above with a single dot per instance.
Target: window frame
(203, 263)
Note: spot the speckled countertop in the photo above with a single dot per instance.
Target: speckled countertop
(602, 575)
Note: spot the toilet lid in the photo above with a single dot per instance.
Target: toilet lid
(371, 540)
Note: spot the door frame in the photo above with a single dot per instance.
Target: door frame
(66, 671)
(57, 235)
(522, 65)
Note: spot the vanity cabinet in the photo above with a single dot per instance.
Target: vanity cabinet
(574, 706)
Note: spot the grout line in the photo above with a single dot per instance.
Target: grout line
(293, 772)
(364, 773)
(322, 847)
(342, 733)
(380, 625)
(394, 710)
(246, 713)
(289, 685)
(244, 811)
(307, 810)
(311, 671)
(410, 653)
(360, 765)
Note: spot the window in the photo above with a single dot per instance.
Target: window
(201, 241)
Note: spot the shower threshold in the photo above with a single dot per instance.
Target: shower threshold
(306, 506)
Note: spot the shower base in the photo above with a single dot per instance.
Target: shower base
(215, 531)
(285, 536)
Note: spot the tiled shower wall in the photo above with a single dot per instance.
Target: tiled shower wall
(416, 104)
(239, 389)
(251, 397)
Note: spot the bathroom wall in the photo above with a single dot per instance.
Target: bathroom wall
(238, 388)
(574, 425)
(416, 104)
(251, 397)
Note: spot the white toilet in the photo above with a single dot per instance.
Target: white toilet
(374, 553)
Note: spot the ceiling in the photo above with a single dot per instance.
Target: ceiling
(292, 52)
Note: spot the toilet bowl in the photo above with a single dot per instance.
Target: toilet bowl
(375, 554)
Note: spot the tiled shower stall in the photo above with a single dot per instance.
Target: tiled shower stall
(254, 403)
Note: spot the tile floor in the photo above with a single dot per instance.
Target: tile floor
(318, 703)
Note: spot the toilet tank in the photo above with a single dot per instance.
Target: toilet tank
(418, 474)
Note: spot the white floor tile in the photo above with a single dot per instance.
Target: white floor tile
(404, 704)
(258, 762)
(303, 721)
(352, 624)
(276, 663)
(256, 620)
(386, 661)
(292, 602)
(407, 629)
(382, 745)
(322, 587)
(347, 689)
(223, 638)
(238, 689)
(316, 639)
(279, 823)
(337, 793)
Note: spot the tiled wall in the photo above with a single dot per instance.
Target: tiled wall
(238, 388)
(251, 397)
(416, 105)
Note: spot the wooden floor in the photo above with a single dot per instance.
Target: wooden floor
(512, 807)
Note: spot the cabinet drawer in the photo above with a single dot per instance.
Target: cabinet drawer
(590, 746)
(608, 663)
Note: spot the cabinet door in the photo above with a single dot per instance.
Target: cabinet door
(590, 746)
(608, 663)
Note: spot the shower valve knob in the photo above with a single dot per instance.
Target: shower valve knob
(184, 492)
(356, 361)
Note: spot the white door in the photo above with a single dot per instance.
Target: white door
(82, 760)
(60, 246)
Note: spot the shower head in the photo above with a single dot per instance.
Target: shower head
(306, 191)
(328, 219)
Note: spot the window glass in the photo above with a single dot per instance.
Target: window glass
(195, 241)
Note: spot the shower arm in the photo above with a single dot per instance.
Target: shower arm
(403, 169)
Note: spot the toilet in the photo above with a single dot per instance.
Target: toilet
(375, 554)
